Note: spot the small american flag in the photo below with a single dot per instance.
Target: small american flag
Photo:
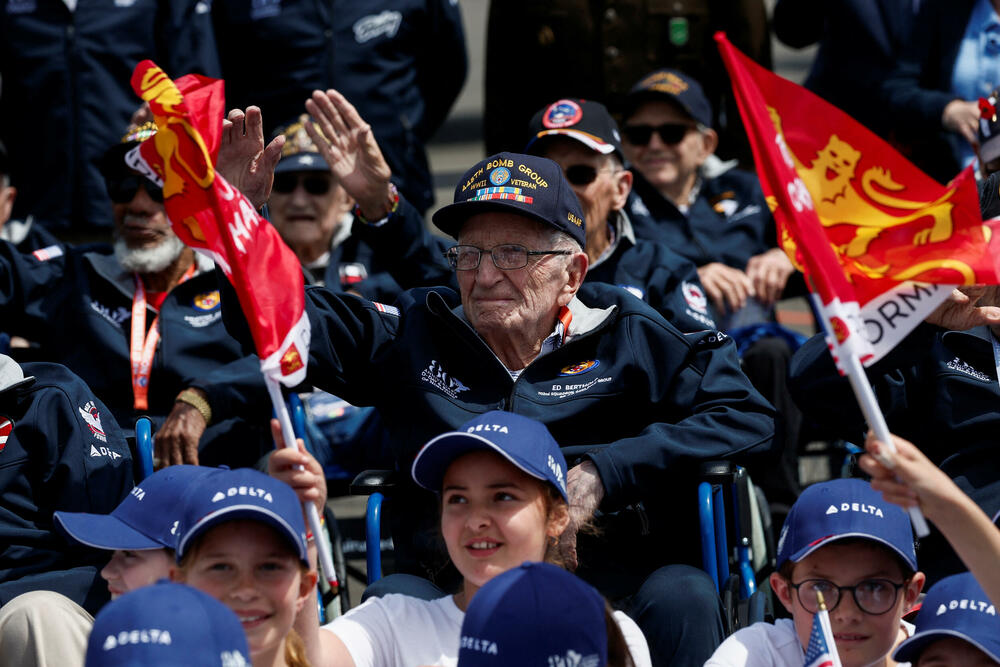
(822, 651)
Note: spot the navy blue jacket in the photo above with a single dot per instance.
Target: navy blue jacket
(729, 221)
(355, 265)
(918, 89)
(402, 63)
(650, 271)
(78, 307)
(66, 93)
(650, 400)
(858, 44)
(56, 458)
(938, 389)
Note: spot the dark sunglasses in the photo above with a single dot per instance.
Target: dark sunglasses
(123, 188)
(315, 184)
(670, 133)
(581, 174)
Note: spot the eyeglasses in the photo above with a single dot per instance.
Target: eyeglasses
(315, 184)
(507, 257)
(123, 188)
(583, 174)
(670, 133)
(873, 596)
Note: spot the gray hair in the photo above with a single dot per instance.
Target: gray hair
(560, 240)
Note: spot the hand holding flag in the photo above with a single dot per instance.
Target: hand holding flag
(822, 649)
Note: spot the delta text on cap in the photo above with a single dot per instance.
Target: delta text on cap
(956, 606)
(841, 509)
(167, 624)
(534, 615)
(675, 86)
(146, 519)
(228, 495)
(524, 442)
(299, 152)
(584, 120)
(528, 185)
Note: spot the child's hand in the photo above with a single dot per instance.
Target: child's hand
(309, 483)
(913, 481)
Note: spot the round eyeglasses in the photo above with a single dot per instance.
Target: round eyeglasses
(873, 596)
(507, 256)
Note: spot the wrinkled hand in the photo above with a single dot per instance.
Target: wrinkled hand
(913, 480)
(962, 311)
(769, 272)
(176, 441)
(141, 115)
(244, 161)
(348, 145)
(298, 469)
(962, 117)
(585, 490)
(728, 288)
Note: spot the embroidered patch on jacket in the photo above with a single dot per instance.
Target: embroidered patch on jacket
(957, 364)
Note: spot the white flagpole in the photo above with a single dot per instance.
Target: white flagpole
(288, 434)
(873, 415)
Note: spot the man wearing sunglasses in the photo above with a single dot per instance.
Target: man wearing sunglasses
(138, 324)
(313, 214)
(718, 221)
(721, 222)
(583, 139)
(525, 333)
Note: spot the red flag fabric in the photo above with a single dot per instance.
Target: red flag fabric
(214, 218)
(880, 242)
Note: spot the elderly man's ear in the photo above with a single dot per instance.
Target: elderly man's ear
(623, 186)
(576, 270)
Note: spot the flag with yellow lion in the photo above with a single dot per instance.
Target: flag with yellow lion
(880, 242)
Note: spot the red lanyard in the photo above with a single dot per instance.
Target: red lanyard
(143, 347)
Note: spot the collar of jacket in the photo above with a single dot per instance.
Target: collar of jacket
(585, 320)
(623, 232)
(108, 267)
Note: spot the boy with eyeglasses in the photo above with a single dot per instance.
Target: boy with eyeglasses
(841, 539)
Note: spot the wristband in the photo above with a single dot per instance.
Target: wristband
(192, 398)
(393, 209)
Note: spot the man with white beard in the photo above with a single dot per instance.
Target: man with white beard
(139, 325)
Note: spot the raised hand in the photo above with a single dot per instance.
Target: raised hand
(968, 307)
(348, 145)
(243, 160)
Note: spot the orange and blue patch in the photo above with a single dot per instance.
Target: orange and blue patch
(484, 194)
(582, 367)
(207, 300)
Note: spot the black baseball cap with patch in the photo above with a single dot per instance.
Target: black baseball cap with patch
(675, 86)
(584, 120)
(299, 152)
(528, 185)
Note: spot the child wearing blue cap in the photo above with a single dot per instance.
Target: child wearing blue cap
(241, 538)
(502, 484)
(164, 625)
(914, 481)
(957, 626)
(841, 539)
(539, 615)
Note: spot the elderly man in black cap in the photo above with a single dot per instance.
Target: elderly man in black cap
(600, 368)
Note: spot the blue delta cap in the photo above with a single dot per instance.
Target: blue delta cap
(146, 519)
(956, 606)
(524, 442)
(535, 614)
(841, 509)
(528, 185)
(228, 495)
(167, 624)
(675, 86)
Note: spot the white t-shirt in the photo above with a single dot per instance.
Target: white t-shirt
(768, 645)
(404, 631)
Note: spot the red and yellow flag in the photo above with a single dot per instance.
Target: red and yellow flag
(214, 218)
(880, 242)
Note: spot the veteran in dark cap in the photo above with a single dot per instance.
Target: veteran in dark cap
(600, 368)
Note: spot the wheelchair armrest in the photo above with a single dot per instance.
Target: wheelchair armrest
(718, 472)
(369, 481)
